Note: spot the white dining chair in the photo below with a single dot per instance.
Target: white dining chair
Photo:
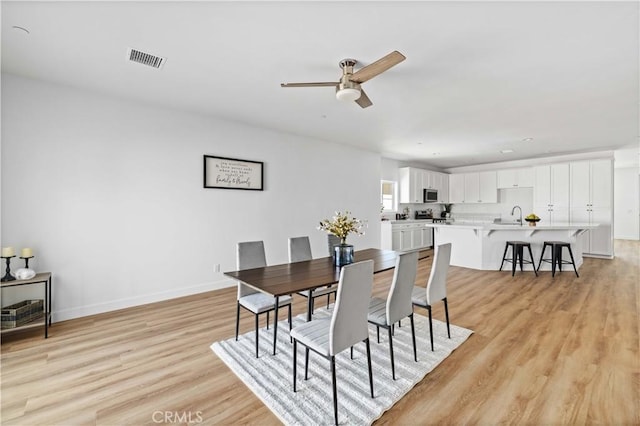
(385, 313)
(251, 255)
(436, 287)
(300, 251)
(346, 327)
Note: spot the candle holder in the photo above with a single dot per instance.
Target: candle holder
(7, 275)
(26, 261)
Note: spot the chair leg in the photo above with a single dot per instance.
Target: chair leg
(533, 262)
(430, 327)
(289, 315)
(328, 300)
(413, 337)
(544, 248)
(560, 258)
(520, 256)
(369, 362)
(378, 333)
(309, 307)
(256, 320)
(268, 312)
(237, 320)
(295, 354)
(351, 352)
(554, 256)
(335, 395)
(306, 362)
(514, 259)
(446, 313)
(506, 247)
(393, 367)
(573, 262)
(275, 323)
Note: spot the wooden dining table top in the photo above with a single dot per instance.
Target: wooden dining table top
(280, 280)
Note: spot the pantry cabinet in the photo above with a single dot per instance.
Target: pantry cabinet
(551, 193)
(591, 202)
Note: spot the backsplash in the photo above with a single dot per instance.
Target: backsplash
(507, 198)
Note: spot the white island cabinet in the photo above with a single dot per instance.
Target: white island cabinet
(481, 246)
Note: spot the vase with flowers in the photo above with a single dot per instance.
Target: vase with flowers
(342, 225)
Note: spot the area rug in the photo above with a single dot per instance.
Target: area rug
(270, 377)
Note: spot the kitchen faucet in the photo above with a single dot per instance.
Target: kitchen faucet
(514, 209)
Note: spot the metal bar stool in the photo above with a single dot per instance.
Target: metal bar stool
(517, 251)
(556, 256)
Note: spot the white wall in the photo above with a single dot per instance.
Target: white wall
(626, 197)
(109, 195)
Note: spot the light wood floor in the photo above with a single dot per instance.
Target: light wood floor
(545, 351)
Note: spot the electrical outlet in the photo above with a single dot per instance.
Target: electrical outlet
(217, 267)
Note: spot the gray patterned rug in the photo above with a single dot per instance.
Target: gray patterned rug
(270, 377)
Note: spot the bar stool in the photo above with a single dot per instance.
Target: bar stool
(517, 251)
(556, 256)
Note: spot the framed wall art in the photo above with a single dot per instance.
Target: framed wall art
(233, 173)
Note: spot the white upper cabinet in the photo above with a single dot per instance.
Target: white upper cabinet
(456, 188)
(488, 187)
(411, 187)
(515, 178)
(413, 182)
(551, 193)
(473, 187)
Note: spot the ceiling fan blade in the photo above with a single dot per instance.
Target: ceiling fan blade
(363, 100)
(378, 67)
(324, 84)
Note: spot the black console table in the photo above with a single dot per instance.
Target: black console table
(41, 278)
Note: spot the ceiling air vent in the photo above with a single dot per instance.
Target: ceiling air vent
(145, 58)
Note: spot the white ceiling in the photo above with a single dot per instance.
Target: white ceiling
(479, 76)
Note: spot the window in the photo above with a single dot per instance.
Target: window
(388, 196)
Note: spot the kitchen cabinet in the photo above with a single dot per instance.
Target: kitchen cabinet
(591, 202)
(515, 178)
(456, 188)
(411, 187)
(551, 193)
(476, 188)
(405, 236)
(413, 181)
(441, 183)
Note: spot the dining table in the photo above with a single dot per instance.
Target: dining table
(288, 278)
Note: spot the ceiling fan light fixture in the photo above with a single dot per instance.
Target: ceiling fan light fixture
(347, 94)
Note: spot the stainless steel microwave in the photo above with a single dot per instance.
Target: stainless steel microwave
(430, 195)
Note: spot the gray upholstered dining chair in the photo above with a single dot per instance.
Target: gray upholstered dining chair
(299, 251)
(346, 327)
(436, 287)
(385, 313)
(251, 255)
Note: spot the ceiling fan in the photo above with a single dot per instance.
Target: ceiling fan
(348, 88)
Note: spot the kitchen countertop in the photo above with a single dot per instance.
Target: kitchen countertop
(513, 227)
(395, 222)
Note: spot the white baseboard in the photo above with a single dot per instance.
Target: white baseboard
(114, 305)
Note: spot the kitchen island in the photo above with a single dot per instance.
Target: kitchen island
(481, 245)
